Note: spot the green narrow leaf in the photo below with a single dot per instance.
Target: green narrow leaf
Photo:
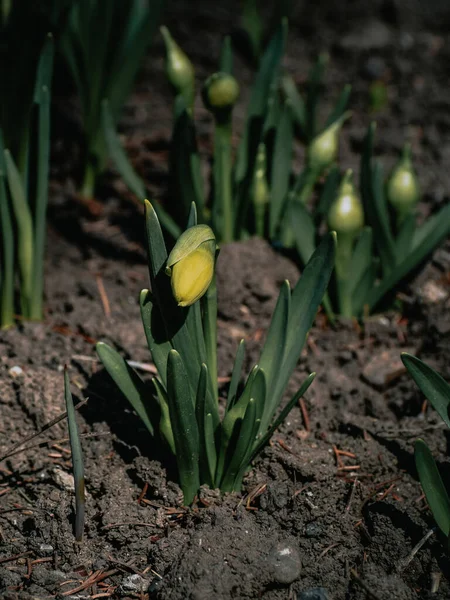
(209, 317)
(24, 231)
(303, 229)
(313, 95)
(433, 486)
(361, 258)
(7, 254)
(297, 103)
(414, 259)
(154, 332)
(329, 193)
(240, 446)
(281, 417)
(405, 237)
(165, 427)
(236, 375)
(305, 300)
(378, 219)
(281, 168)
(184, 426)
(431, 384)
(226, 56)
(363, 289)
(340, 107)
(77, 460)
(207, 451)
(272, 355)
(131, 385)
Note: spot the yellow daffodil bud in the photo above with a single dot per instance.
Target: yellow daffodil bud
(220, 93)
(323, 150)
(179, 69)
(191, 264)
(346, 215)
(403, 188)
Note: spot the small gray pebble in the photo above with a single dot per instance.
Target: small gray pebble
(284, 562)
(313, 594)
(313, 530)
(46, 549)
(134, 583)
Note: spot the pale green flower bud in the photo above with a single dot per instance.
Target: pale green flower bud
(179, 69)
(191, 264)
(323, 150)
(346, 215)
(220, 93)
(403, 188)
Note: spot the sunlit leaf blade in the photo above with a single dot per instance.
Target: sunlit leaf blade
(165, 427)
(433, 486)
(157, 253)
(240, 445)
(236, 374)
(184, 426)
(405, 237)
(153, 324)
(431, 384)
(297, 103)
(272, 355)
(281, 168)
(77, 460)
(281, 417)
(131, 386)
(303, 229)
(361, 258)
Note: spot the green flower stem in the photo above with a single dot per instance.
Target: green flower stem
(209, 305)
(342, 263)
(88, 185)
(222, 180)
(36, 310)
(7, 265)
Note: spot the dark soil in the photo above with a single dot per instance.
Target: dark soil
(333, 508)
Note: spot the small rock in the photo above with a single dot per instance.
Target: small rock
(313, 594)
(432, 293)
(134, 583)
(313, 530)
(284, 563)
(46, 549)
(385, 367)
(15, 371)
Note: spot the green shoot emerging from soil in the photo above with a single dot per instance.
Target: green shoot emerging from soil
(179, 315)
(437, 391)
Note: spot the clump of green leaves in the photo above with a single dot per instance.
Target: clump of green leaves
(253, 187)
(380, 240)
(24, 167)
(104, 43)
(182, 412)
(437, 391)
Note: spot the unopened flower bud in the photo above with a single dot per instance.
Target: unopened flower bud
(179, 69)
(323, 149)
(220, 93)
(191, 264)
(346, 215)
(402, 187)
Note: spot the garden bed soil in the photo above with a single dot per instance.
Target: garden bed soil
(332, 509)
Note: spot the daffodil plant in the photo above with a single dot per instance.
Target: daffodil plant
(213, 440)
(437, 391)
(103, 45)
(252, 187)
(380, 242)
(24, 167)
